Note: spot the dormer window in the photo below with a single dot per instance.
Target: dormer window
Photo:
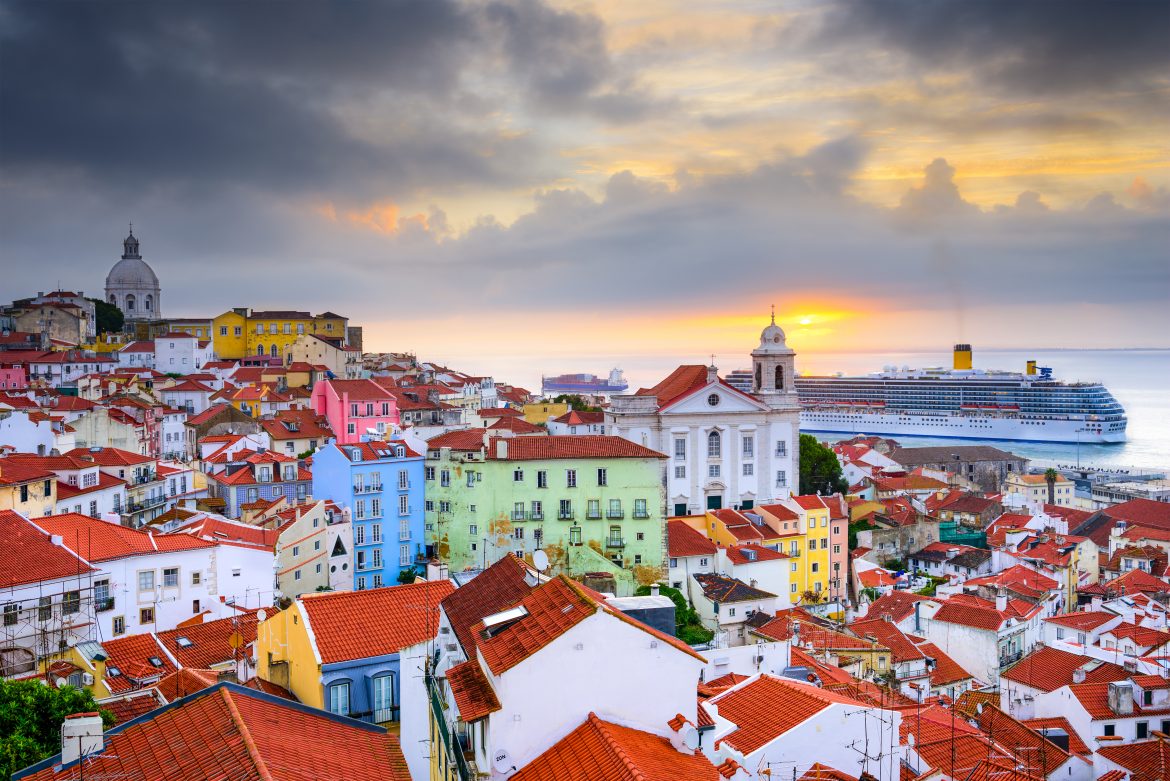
(155, 661)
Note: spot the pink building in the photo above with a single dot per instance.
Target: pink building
(12, 376)
(352, 407)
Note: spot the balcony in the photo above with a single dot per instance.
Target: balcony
(536, 516)
(1010, 658)
(614, 515)
(519, 515)
(367, 489)
(793, 554)
(593, 515)
(615, 542)
(565, 516)
(641, 515)
(103, 604)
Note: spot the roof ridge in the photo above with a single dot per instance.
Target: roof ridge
(612, 741)
(245, 733)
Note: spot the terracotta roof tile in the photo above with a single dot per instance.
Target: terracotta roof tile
(472, 691)
(603, 751)
(29, 555)
(208, 644)
(946, 670)
(229, 731)
(1082, 620)
(390, 619)
(1047, 669)
(1094, 697)
(132, 657)
(570, 446)
(1075, 744)
(723, 589)
(1146, 761)
(500, 586)
(1039, 756)
(96, 540)
(682, 541)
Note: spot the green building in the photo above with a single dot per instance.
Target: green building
(592, 503)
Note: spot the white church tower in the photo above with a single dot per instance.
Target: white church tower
(132, 285)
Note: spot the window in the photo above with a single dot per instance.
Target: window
(361, 583)
(714, 445)
(537, 511)
(361, 560)
(615, 509)
(297, 575)
(238, 330)
(429, 505)
(836, 549)
(359, 509)
(171, 577)
(403, 480)
(593, 509)
(339, 698)
(376, 559)
(45, 605)
(640, 509)
(11, 612)
(781, 478)
(375, 509)
(359, 535)
(444, 507)
(445, 478)
(674, 562)
(518, 533)
(1110, 730)
(680, 472)
(375, 532)
(542, 479)
(566, 509)
(146, 615)
(196, 578)
(731, 611)
(703, 562)
(603, 477)
(403, 555)
(748, 470)
(1147, 698)
(403, 504)
(146, 580)
(713, 470)
(781, 448)
(749, 447)
(1060, 633)
(680, 449)
(816, 567)
(571, 478)
(1143, 729)
(429, 473)
(194, 606)
(640, 536)
(518, 476)
(223, 330)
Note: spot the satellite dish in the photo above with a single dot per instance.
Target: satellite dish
(261, 615)
(61, 682)
(502, 761)
(540, 560)
(690, 737)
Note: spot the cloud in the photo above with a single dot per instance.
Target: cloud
(1044, 48)
(937, 198)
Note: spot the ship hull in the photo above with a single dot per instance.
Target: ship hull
(963, 426)
(569, 387)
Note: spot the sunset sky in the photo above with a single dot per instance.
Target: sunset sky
(569, 185)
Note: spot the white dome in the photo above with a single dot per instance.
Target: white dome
(772, 339)
(132, 273)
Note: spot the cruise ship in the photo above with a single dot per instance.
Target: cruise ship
(584, 383)
(964, 403)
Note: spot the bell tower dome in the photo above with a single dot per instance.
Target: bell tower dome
(773, 363)
(132, 285)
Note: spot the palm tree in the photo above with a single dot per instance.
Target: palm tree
(1050, 477)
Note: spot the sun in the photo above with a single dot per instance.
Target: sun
(806, 321)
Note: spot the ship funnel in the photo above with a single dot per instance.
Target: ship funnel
(962, 357)
(1031, 368)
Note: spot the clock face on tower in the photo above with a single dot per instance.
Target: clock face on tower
(776, 339)
(713, 399)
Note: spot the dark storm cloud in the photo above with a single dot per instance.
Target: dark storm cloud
(292, 96)
(1035, 46)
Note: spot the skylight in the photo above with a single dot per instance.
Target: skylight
(154, 660)
(184, 642)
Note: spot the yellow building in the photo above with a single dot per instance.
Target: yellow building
(543, 412)
(29, 490)
(1035, 488)
(198, 327)
(801, 524)
(242, 332)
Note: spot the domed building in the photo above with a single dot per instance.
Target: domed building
(132, 285)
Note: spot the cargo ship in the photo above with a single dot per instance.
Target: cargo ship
(589, 384)
(964, 403)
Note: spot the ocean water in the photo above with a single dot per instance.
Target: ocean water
(1139, 379)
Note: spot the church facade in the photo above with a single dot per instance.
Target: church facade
(132, 285)
(725, 448)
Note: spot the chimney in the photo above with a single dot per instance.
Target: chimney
(654, 589)
(502, 448)
(81, 736)
(1079, 675)
(1001, 600)
(1121, 698)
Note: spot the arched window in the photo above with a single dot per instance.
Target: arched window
(130, 303)
(779, 378)
(149, 303)
(259, 349)
(272, 351)
(758, 378)
(713, 445)
(113, 299)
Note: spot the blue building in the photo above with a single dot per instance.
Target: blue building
(381, 484)
(257, 477)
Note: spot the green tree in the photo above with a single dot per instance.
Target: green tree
(109, 317)
(30, 720)
(1050, 477)
(575, 402)
(407, 576)
(820, 472)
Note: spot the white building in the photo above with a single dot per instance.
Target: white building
(136, 355)
(151, 583)
(690, 553)
(180, 353)
(727, 448)
(132, 285)
(21, 432)
(982, 636)
(725, 604)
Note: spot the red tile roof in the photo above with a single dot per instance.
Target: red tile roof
(66, 491)
(229, 731)
(358, 389)
(1019, 579)
(29, 555)
(130, 656)
(13, 472)
(1047, 669)
(133, 704)
(1136, 581)
(683, 380)
(1146, 761)
(209, 644)
(110, 456)
(979, 613)
(516, 426)
(1142, 636)
(1039, 756)
(603, 751)
(500, 586)
(1094, 697)
(888, 634)
(946, 670)
(719, 588)
(1082, 620)
(768, 707)
(1142, 512)
(569, 446)
(472, 691)
(683, 541)
(819, 772)
(750, 553)
(96, 540)
(898, 605)
(359, 624)
(463, 439)
(1075, 744)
